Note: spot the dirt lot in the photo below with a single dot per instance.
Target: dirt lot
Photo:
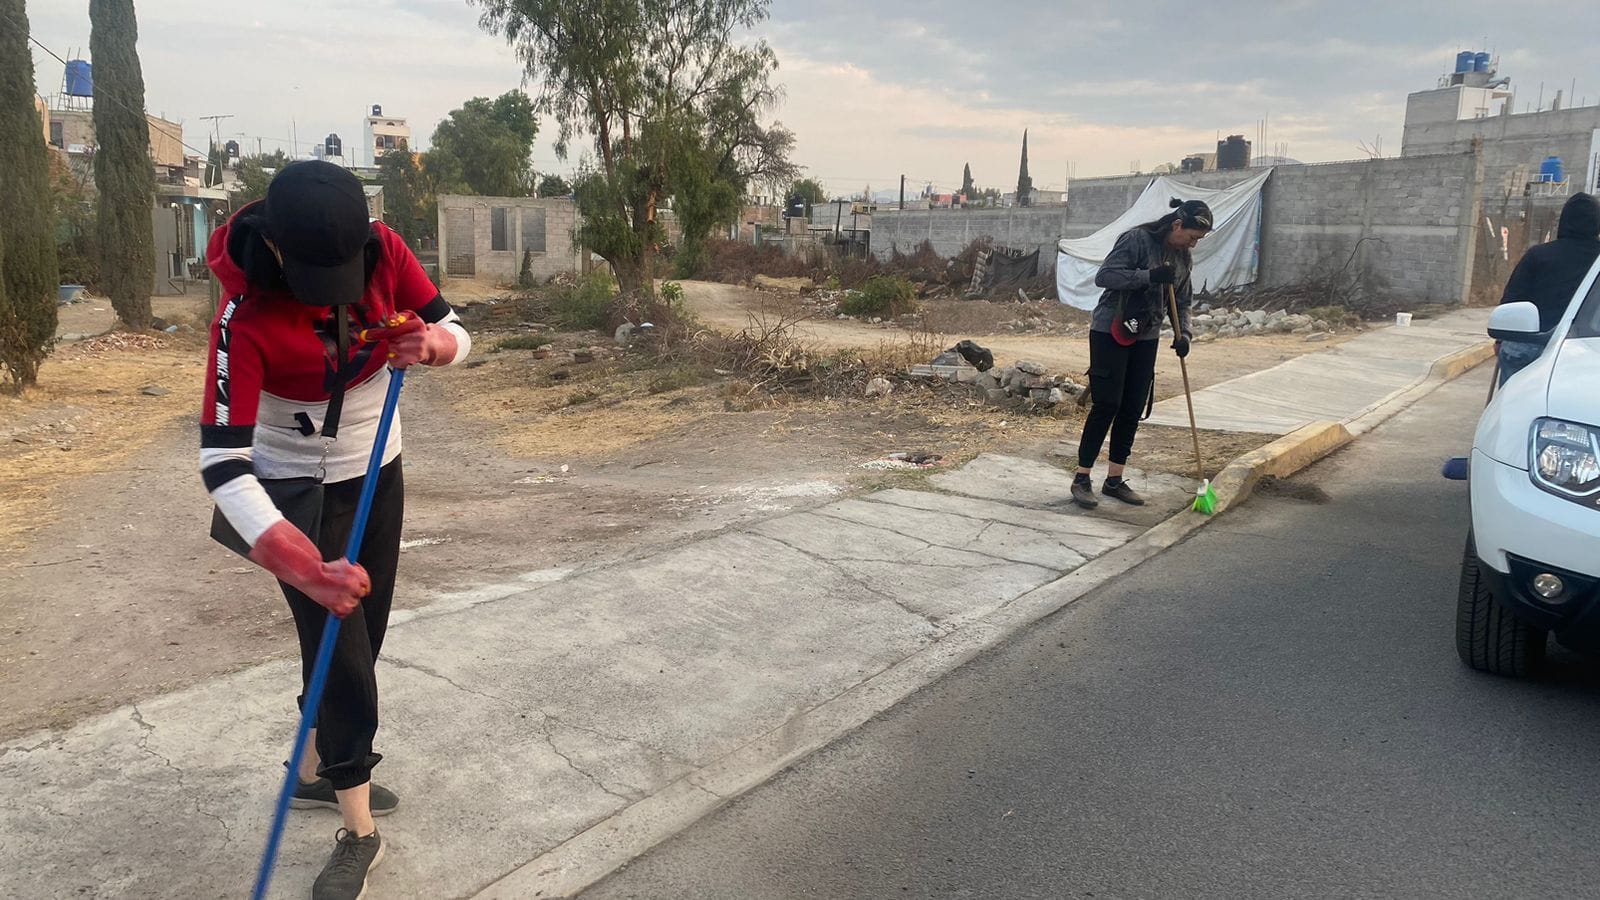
(110, 589)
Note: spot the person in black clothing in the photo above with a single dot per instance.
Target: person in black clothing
(1147, 261)
(1549, 274)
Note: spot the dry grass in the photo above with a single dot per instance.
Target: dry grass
(88, 402)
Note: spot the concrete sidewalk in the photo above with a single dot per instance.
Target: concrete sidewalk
(517, 716)
(1337, 384)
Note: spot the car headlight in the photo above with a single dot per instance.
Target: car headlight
(1566, 459)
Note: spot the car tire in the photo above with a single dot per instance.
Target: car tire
(1489, 637)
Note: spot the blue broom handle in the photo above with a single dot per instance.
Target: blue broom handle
(330, 636)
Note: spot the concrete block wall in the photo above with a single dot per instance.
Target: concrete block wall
(951, 230)
(560, 256)
(1405, 224)
(1522, 139)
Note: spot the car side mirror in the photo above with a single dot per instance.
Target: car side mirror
(1518, 321)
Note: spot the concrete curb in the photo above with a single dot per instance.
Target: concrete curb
(588, 857)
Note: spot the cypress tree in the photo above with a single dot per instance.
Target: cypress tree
(123, 172)
(27, 229)
(1024, 180)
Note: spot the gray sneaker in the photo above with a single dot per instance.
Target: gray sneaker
(319, 795)
(1083, 495)
(353, 859)
(1123, 492)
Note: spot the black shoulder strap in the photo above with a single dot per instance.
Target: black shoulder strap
(341, 378)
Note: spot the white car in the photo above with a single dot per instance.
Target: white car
(1532, 564)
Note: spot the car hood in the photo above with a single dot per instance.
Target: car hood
(1572, 382)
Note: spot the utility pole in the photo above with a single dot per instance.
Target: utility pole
(902, 193)
(216, 144)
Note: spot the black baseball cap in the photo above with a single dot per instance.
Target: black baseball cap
(316, 214)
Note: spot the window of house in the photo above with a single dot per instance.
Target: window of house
(533, 230)
(58, 134)
(500, 228)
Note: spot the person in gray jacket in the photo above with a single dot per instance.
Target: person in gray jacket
(1146, 262)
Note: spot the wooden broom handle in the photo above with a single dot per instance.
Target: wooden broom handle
(1194, 430)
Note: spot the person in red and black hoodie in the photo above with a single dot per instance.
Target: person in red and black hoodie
(320, 303)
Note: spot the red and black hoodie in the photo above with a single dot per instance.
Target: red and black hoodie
(271, 371)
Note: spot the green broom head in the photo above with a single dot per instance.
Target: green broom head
(1205, 499)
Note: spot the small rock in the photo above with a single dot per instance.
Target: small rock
(623, 333)
(1278, 315)
(876, 320)
(1040, 395)
(996, 396)
(582, 356)
(154, 390)
(988, 380)
(1205, 337)
(1056, 396)
(72, 336)
(1032, 368)
(1316, 337)
(880, 387)
(1256, 317)
(171, 329)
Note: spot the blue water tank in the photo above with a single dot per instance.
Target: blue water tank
(1552, 170)
(1464, 61)
(80, 78)
(1480, 63)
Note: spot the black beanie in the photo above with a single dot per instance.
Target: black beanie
(1195, 214)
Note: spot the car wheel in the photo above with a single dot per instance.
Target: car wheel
(1489, 637)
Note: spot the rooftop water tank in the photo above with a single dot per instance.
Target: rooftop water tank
(1480, 62)
(332, 146)
(376, 110)
(1551, 170)
(80, 78)
(1464, 61)
(1233, 153)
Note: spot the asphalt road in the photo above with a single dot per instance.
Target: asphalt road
(1273, 709)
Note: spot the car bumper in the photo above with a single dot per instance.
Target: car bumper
(1521, 531)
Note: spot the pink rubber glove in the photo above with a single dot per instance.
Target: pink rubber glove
(287, 553)
(413, 341)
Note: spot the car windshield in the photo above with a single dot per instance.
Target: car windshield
(1587, 322)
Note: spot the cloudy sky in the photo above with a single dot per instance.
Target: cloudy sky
(891, 87)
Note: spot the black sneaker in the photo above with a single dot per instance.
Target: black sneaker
(1123, 492)
(353, 859)
(1083, 494)
(319, 795)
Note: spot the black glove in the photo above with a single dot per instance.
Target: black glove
(1164, 274)
(1181, 345)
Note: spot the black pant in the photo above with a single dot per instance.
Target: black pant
(1119, 383)
(348, 717)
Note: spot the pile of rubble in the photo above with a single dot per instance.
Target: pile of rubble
(1210, 324)
(1025, 382)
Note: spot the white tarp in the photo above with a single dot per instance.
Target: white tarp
(1228, 257)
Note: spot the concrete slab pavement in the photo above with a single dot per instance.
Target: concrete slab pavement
(1338, 384)
(518, 716)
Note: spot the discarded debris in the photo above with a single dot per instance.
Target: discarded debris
(880, 387)
(903, 460)
(154, 390)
